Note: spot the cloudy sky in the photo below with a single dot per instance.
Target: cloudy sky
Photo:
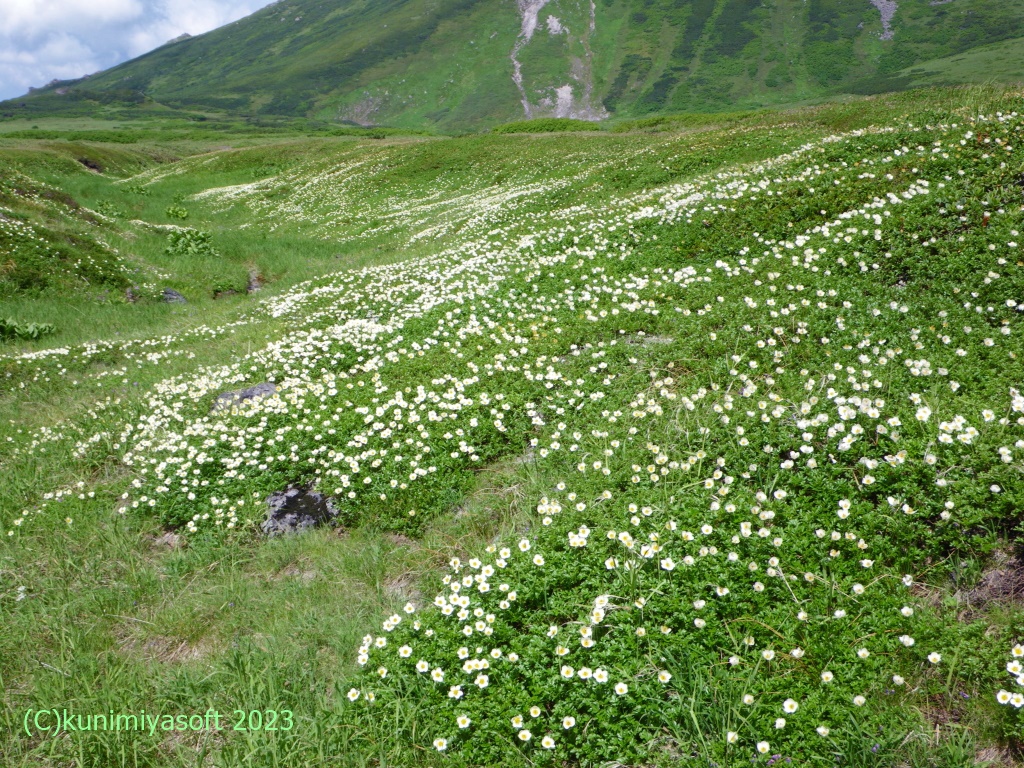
(45, 39)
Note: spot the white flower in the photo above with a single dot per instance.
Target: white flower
(463, 721)
(732, 737)
(859, 701)
(353, 694)
(863, 653)
(525, 735)
(568, 722)
(547, 742)
(789, 706)
(822, 730)
(763, 747)
(621, 689)
(827, 677)
(934, 658)
(440, 744)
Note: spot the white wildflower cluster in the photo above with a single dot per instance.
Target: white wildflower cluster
(1015, 668)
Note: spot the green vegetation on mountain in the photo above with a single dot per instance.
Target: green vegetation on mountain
(471, 64)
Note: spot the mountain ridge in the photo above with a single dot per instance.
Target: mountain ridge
(470, 64)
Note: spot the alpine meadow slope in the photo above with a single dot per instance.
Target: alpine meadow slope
(700, 444)
(470, 64)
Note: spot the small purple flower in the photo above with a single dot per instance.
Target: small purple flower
(875, 748)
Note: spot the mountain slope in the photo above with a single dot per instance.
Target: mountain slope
(470, 63)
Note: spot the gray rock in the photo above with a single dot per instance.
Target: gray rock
(297, 509)
(171, 296)
(255, 281)
(228, 399)
(169, 539)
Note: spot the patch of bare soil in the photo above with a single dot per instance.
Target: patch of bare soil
(403, 588)
(168, 540)
(295, 572)
(1001, 583)
(168, 650)
(399, 540)
(995, 757)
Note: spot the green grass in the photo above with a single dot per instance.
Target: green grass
(545, 125)
(614, 289)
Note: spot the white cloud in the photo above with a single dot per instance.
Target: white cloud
(35, 17)
(45, 39)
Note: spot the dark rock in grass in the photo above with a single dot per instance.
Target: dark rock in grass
(296, 509)
(92, 165)
(228, 399)
(171, 296)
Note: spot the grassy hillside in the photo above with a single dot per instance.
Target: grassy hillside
(697, 442)
(474, 63)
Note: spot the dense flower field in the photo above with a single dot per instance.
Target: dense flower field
(766, 402)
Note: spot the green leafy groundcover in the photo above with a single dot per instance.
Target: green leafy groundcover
(12, 329)
(187, 241)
